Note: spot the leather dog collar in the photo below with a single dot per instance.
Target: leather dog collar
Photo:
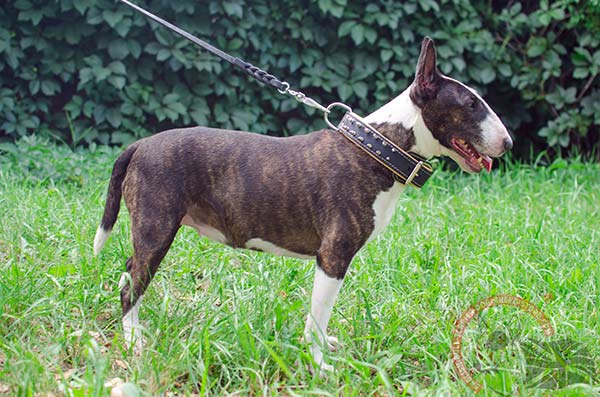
(407, 167)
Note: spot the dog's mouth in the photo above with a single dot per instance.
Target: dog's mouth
(475, 161)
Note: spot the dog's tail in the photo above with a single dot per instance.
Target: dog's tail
(113, 198)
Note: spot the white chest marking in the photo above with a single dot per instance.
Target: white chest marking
(384, 206)
(205, 230)
(266, 246)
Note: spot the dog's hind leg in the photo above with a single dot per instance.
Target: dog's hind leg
(132, 330)
(152, 238)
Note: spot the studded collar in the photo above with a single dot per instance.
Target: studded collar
(407, 167)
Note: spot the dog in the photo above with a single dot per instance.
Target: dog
(311, 196)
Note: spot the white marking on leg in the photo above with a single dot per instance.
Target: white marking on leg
(100, 239)
(125, 279)
(132, 330)
(324, 294)
(266, 246)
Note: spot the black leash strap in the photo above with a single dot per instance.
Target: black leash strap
(406, 167)
(252, 70)
(259, 74)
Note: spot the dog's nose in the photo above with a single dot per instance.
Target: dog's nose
(508, 144)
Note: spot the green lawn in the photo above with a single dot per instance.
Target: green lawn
(223, 321)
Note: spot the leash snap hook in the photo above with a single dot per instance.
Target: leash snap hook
(328, 111)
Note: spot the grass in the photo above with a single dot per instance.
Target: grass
(223, 321)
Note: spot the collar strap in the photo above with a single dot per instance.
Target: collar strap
(407, 167)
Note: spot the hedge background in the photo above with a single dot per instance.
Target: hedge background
(85, 71)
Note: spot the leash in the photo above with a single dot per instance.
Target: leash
(408, 168)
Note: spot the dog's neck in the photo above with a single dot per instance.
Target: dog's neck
(401, 121)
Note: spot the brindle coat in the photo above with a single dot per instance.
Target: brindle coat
(309, 194)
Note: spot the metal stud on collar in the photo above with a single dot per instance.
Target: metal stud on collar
(407, 168)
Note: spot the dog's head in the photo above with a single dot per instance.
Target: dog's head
(465, 126)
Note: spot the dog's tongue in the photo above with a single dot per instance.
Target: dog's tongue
(487, 162)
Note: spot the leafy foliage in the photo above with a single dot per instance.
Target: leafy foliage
(84, 71)
(556, 67)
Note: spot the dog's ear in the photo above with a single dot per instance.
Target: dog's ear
(427, 78)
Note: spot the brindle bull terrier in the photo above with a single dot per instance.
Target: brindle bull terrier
(311, 196)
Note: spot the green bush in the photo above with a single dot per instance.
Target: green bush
(95, 71)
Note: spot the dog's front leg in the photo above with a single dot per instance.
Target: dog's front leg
(332, 264)
(324, 293)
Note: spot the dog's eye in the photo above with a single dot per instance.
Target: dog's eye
(472, 104)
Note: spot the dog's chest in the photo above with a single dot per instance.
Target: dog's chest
(383, 208)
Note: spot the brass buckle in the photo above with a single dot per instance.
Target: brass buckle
(414, 173)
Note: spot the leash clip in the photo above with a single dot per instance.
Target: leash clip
(414, 173)
(301, 97)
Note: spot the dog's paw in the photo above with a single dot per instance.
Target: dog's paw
(333, 343)
(138, 346)
(135, 342)
(322, 368)
(326, 369)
